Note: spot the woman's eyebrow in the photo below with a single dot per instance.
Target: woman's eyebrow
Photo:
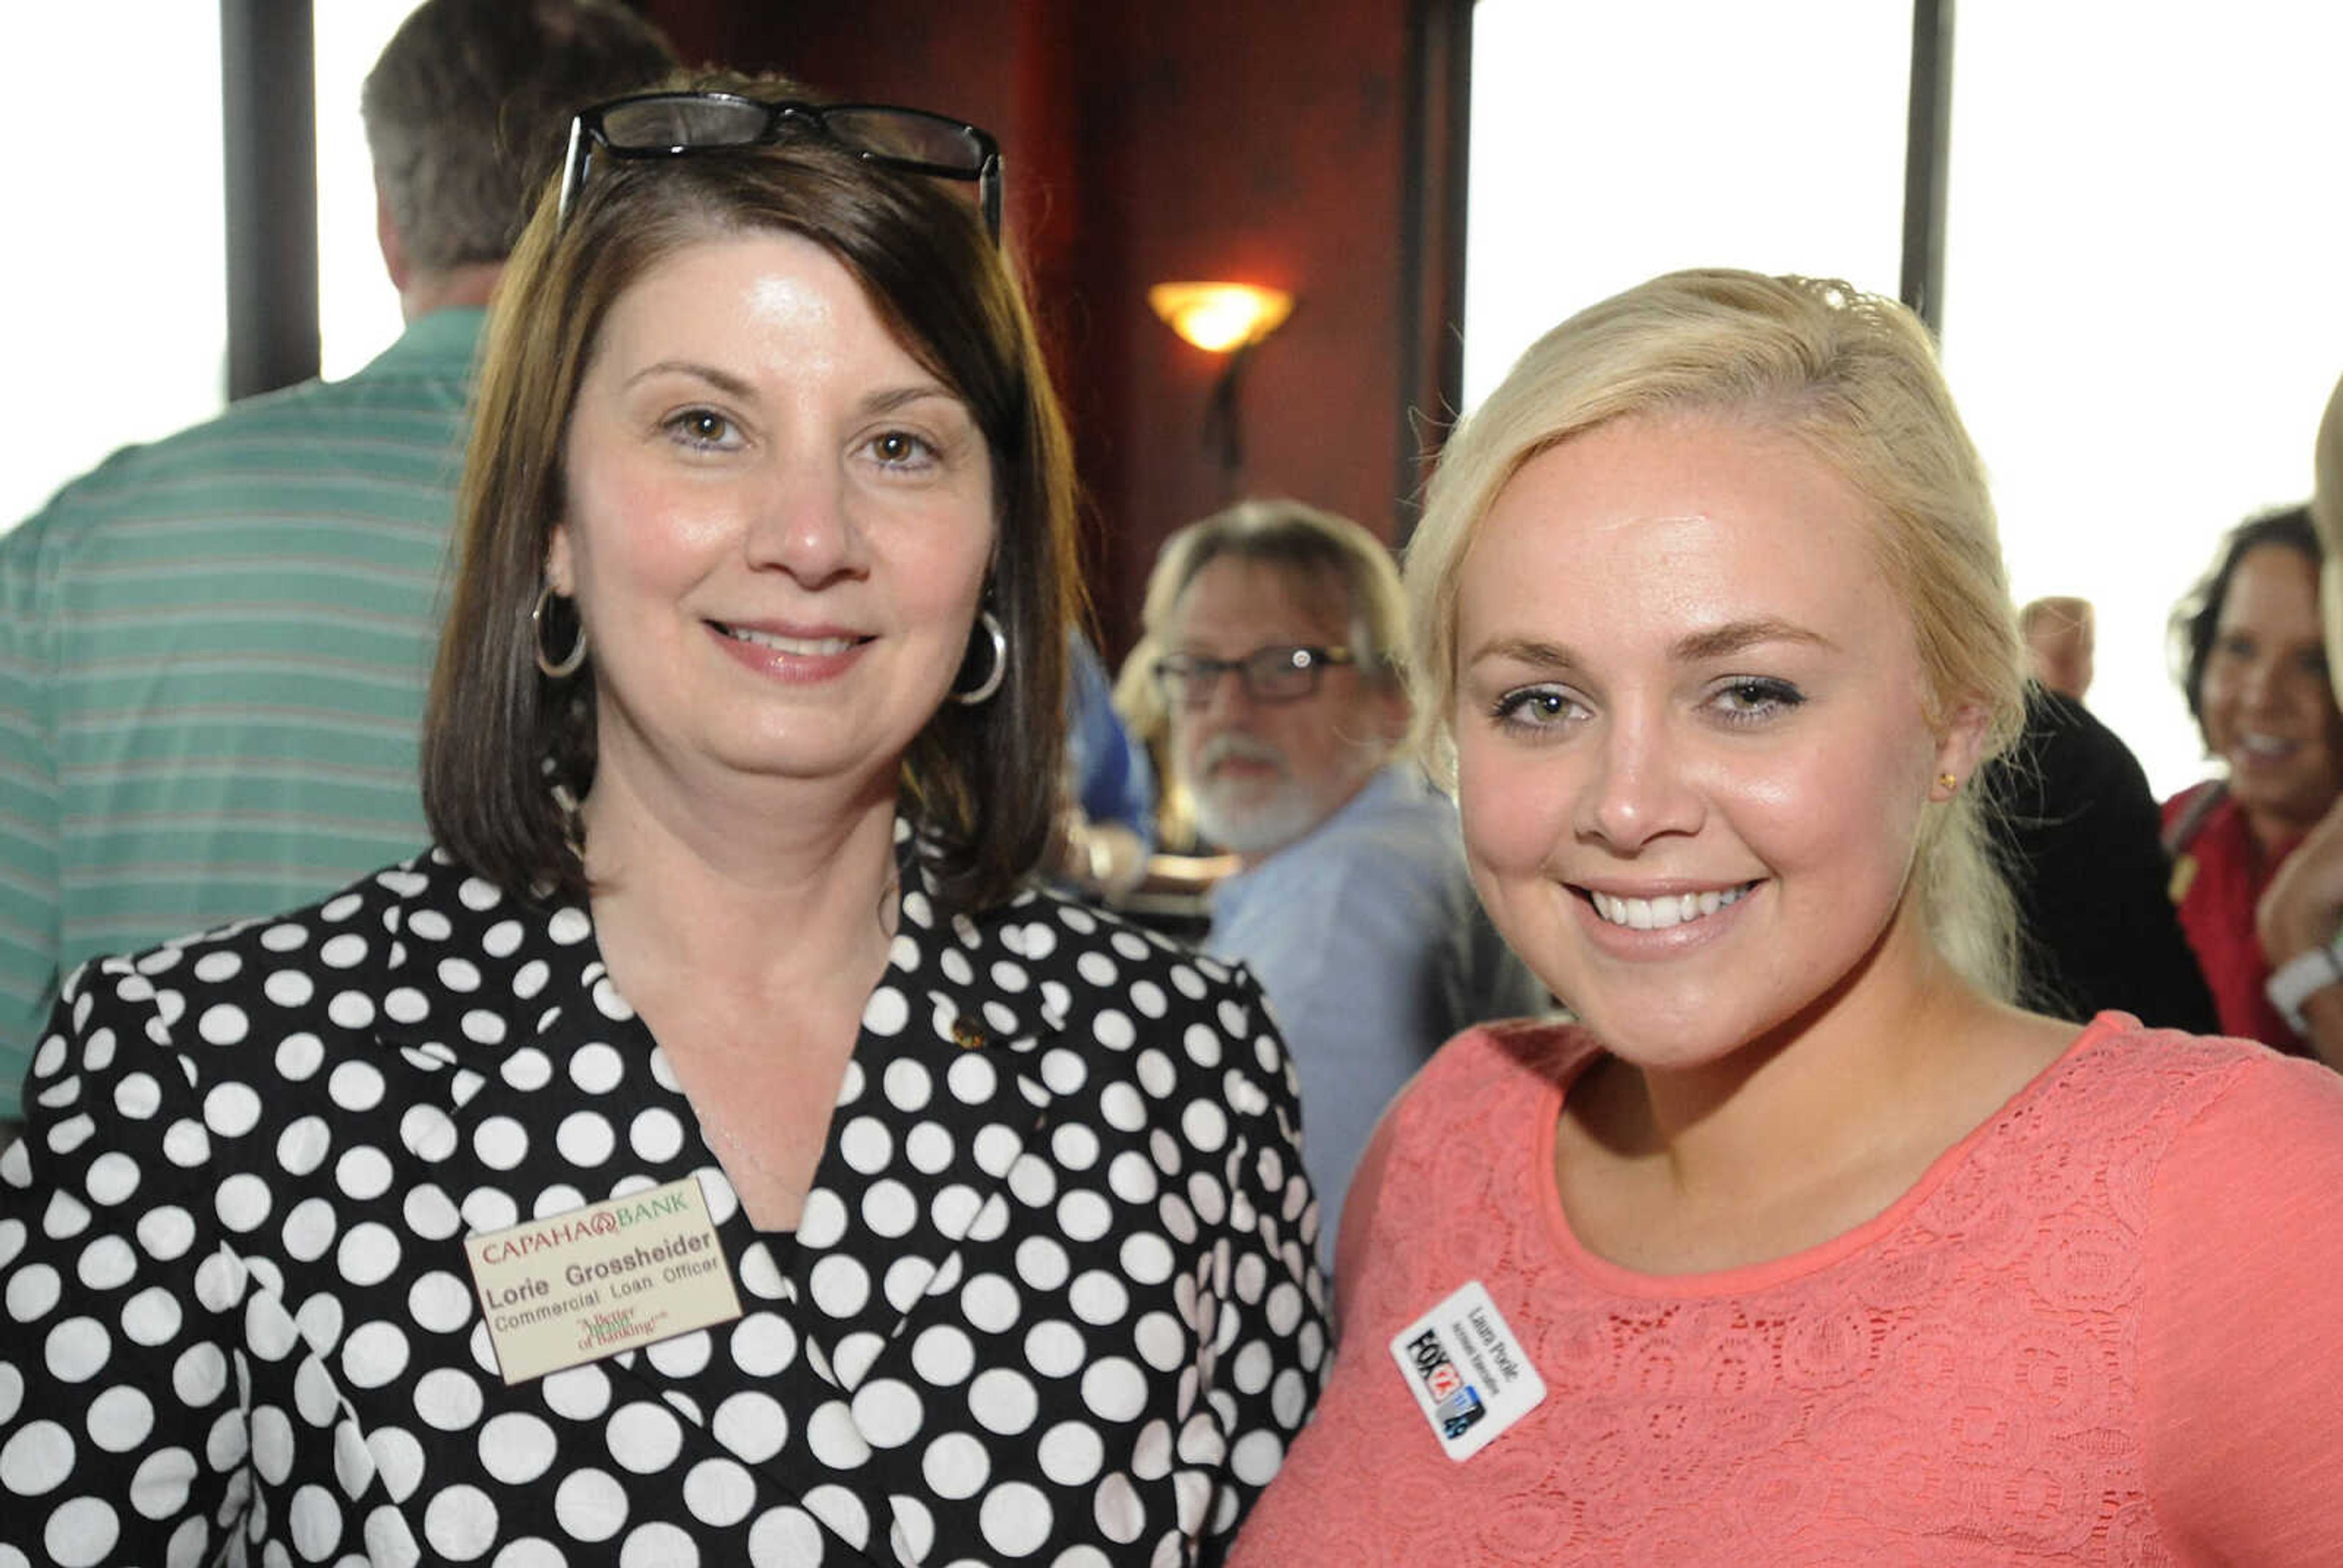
(724, 381)
(1734, 637)
(1535, 652)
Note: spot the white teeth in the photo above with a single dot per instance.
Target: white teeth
(1659, 914)
(2267, 745)
(805, 645)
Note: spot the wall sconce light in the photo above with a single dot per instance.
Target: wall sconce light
(1222, 319)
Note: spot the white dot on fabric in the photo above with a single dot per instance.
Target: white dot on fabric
(596, 1068)
(356, 1086)
(158, 1488)
(82, 1534)
(929, 1148)
(1071, 1453)
(752, 1425)
(224, 1023)
(763, 1344)
(822, 1220)
(785, 1538)
(33, 1292)
(1114, 1031)
(373, 1354)
(586, 1138)
(942, 1355)
(577, 1393)
(272, 1445)
(1042, 1262)
(113, 1177)
(1123, 1108)
(843, 1512)
(830, 1433)
(888, 1209)
(12, 1393)
(1114, 1390)
(1054, 1348)
(889, 1412)
(971, 1079)
(590, 1505)
(501, 1142)
(448, 1399)
(1015, 1519)
(199, 1375)
(1118, 1511)
(956, 1466)
(1256, 1457)
(656, 1135)
(990, 1303)
(368, 1254)
(460, 1522)
(907, 1084)
(363, 1173)
(865, 1145)
(1002, 1402)
(1084, 1215)
(298, 1057)
(317, 1522)
(77, 1349)
(886, 1012)
(644, 1437)
(120, 1419)
(658, 1546)
(106, 1264)
(1162, 1342)
(166, 1232)
(231, 1110)
(854, 1357)
(719, 1491)
(36, 1459)
(1133, 1177)
(1099, 1298)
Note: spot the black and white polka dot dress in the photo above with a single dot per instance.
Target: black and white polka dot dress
(1052, 1298)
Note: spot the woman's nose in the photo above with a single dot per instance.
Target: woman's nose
(1638, 790)
(803, 523)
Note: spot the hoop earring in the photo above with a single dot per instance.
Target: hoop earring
(983, 690)
(565, 667)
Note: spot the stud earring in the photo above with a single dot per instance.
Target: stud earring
(1948, 782)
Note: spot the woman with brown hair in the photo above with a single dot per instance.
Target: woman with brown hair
(712, 1149)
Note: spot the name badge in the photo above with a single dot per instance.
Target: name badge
(576, 1287)
(1470, 1376)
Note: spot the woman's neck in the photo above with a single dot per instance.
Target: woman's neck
(758, 888)
(1800, 1135)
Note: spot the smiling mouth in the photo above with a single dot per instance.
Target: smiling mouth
(2265, 745)
(1659, 914)
(810, 647)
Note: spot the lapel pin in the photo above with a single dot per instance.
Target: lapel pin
(966, 1036)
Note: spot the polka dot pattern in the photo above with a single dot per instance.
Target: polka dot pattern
(1052, 1298)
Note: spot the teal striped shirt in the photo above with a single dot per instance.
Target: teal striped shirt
(213, 657)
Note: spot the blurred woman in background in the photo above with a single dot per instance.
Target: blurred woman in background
(2252, 659)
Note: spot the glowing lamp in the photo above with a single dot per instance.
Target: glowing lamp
(1220, 317)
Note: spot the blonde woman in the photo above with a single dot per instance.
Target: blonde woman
(1806, 1246)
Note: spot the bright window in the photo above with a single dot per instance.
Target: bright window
(2141, 314)
(357, 311)
(114, 271)
(1611, 143)
(2142, 310)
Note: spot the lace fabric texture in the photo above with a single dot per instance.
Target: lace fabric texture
(1957, 1380)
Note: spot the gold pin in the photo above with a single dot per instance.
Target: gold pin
(966, 1036)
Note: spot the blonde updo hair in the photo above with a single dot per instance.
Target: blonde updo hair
(1853, 378)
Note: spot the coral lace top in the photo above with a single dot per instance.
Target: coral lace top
(2105, 1328)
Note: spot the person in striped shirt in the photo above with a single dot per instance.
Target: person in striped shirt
(214, 649)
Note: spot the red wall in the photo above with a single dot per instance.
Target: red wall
(1148, 140)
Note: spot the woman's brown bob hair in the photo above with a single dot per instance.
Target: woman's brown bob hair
(499, 736)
